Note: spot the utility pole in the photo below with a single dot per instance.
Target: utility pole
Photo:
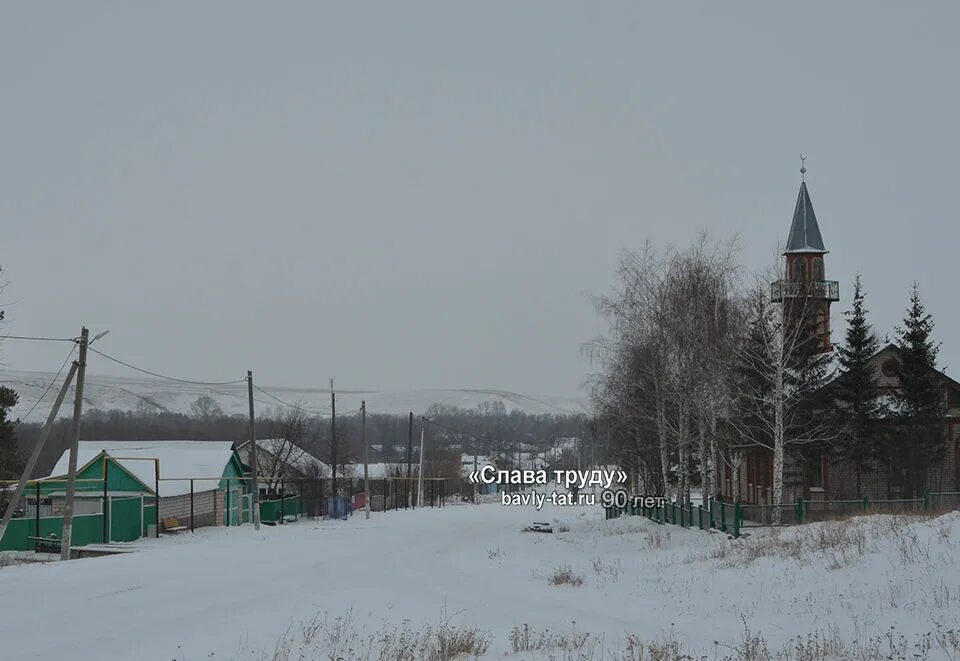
(255, 493)
(409, 459)
(81, 366)
(476, 486)
(32, 461)
(366, 455)
(423, 426)
(333, 440)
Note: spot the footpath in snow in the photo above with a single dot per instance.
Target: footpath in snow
(594, 589)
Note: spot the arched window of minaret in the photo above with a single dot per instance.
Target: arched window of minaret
(800, 269)
(818, 268)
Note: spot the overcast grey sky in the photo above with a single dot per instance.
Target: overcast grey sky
(406, 195)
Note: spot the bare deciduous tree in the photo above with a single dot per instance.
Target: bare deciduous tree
(665, 360)
(781, 368)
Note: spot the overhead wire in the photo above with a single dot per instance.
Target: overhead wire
(164, 376)
(38, 339)
(286, 403)
(49, 386)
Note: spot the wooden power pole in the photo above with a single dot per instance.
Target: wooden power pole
(409, 459)
(423, 426)
(333, 443)
(255, 491)
(366, 455)
(32, 461)
(81, 365)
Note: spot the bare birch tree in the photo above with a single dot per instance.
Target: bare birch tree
(672, 320)
(782, 369)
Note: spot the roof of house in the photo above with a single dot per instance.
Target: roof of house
(178, 459)
(298, 458)
(891, 350)
(804, 231)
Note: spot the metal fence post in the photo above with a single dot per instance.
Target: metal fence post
(866, 503)
(37, 519)
(926, 501)
(191, 505)
(723, 516)
(737, 515)
(104, 507)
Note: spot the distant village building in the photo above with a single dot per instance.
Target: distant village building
(281, 465)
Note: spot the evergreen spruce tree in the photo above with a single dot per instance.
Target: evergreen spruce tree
(858, 405)
(920, 407)
(10, 461)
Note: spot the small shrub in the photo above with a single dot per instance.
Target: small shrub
(565, 576)
(612, 571)
(525, 639)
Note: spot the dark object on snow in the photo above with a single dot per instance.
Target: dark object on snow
(539, 527)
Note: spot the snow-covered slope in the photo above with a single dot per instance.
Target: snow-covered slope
(112, 392)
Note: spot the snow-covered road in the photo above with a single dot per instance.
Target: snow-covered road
(233, 593)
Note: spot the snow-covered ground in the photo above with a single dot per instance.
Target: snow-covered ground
(126, 393)
(862, 587)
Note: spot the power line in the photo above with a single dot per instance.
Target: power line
(286, 403)
(50, 385)
(162, 376)
(38, 339)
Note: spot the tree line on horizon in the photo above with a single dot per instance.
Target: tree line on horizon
(488, 430)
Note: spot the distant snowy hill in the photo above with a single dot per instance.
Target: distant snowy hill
(113, 392)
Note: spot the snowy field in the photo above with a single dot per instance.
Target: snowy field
(873, 587)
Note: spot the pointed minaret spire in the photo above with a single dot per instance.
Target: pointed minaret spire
(804, 291)
(804, 234)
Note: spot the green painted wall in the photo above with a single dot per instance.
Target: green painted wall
(90, 478)
(234, 469)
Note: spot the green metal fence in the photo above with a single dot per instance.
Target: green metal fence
(22, 534)
(126, 518)
(275, 510)
(717, 515)
(733, 518)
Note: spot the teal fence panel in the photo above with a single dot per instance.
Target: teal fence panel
(125, 519)
(271, 510)
(87, 529)
(945, 500)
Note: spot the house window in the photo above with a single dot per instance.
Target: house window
(889, 368)
(815, 471)
(818, 268)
